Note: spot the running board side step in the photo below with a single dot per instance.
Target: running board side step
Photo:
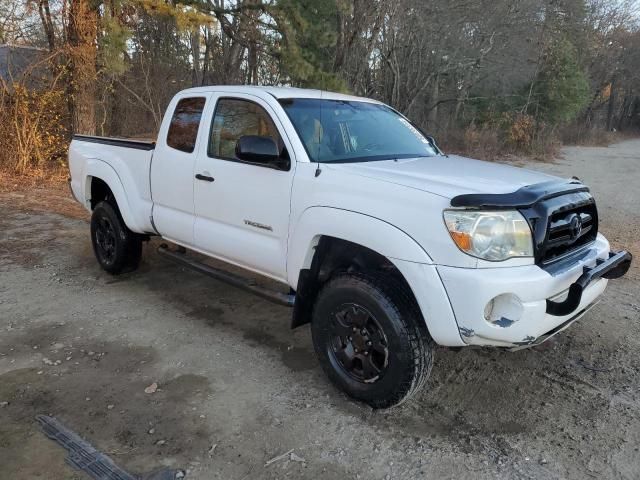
(249, 285)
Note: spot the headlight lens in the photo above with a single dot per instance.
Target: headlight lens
(490, 235)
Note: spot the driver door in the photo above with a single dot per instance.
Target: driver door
(242, 209)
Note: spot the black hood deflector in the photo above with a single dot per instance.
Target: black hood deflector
(522, 198)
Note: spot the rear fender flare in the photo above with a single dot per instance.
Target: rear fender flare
(97, 168)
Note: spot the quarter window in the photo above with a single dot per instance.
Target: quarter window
(183, 129)
(235, 118)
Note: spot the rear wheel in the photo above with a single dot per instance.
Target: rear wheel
(117, 248)
(371, 340)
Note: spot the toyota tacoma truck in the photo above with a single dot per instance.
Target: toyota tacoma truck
(383, 243)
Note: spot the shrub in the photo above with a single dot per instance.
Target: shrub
(33, 134)
(520, 130)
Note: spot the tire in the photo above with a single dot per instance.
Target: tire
(116, 248)
(389, 356)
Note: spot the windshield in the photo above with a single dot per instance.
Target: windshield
(347, 131)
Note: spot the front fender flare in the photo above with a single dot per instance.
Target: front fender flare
(413, 262)
(364, 230)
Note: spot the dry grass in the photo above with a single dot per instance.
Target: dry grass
(577, 136)
(36, 178)
(492, 145)
(40, 193)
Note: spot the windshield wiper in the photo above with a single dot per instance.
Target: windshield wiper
(376, 158)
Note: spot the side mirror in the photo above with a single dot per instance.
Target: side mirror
(261, 150)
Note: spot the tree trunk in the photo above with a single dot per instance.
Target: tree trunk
(83, 21)
(340, 39)
(47, 24)
(196, 79)
(612, 104)
(432, 115)
(207, 55)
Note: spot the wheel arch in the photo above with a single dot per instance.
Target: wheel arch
(365, 230)
(349, 241)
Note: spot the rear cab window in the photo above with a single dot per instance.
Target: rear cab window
(185, 122)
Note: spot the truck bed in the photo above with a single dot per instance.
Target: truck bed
(124, 164)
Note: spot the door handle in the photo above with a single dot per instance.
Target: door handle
(205, 178)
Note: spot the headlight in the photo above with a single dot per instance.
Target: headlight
(496, 235)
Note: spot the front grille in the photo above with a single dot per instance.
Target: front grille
(563, 236)
(562, 225)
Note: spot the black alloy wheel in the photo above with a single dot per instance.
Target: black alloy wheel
(105, 240)
(359, 344)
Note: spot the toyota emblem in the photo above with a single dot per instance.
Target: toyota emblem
(575, 226)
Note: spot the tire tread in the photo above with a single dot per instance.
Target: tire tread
(132, 241)
(388, 291)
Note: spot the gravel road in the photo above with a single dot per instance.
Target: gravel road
(83, 346)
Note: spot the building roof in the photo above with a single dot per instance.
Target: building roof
(15, 60)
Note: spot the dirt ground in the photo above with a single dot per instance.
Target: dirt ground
(83, 346)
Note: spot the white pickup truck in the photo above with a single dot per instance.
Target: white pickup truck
(383, 243)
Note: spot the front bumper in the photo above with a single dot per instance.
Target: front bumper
(615, 266)
(545, 301)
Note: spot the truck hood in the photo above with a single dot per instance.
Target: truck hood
(446, 176)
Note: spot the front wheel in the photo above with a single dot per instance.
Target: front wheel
(117, 248)
(371, 339)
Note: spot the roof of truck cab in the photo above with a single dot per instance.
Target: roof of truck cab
(279, 92)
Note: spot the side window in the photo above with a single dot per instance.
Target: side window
(233, 119)
(183, 129)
